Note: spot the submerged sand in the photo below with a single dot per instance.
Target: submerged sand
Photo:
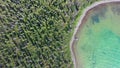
(79, 25)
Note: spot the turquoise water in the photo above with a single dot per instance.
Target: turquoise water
(99, 38)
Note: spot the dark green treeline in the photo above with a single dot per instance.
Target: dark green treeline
(36, 33)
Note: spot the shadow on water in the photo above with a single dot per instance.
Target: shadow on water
(98, 14)
(95, 19)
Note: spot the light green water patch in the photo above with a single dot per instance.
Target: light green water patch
(99, 39)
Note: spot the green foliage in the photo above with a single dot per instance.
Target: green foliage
(36, 33)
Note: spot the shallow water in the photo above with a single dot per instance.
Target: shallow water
(98, 44)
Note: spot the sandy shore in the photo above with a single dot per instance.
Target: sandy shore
(78, 25)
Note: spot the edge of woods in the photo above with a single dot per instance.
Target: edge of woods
(36, 33)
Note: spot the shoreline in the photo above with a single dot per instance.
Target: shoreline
(77, 27)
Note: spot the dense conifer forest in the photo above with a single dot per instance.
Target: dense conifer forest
(36, 33)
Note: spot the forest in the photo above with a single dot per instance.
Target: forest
(36, 33)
